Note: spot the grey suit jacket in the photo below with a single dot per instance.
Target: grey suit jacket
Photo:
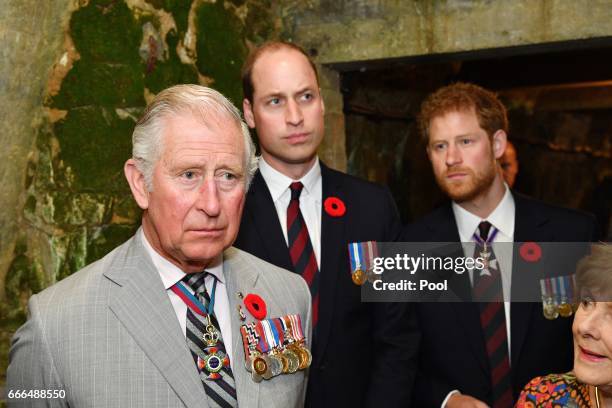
(109, 337)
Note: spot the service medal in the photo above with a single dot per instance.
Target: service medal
(565, 309)
(259, 366)
(293, 360)
(550, 310)
(359, 277)
(268, 373)
(277, 364)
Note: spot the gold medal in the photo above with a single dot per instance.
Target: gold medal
(268, 373)
(565, 309)
(550, 311)
(293, 360)
(304, 355)
(259, 365)
(283, 359)
(359, 277)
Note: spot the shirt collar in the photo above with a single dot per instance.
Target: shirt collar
(502, 218)
(278, 183)
(170, 273)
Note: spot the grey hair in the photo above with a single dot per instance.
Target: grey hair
(202, 102)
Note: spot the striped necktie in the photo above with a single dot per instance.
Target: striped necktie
(488, 291)
(220, 392)
(300, 248)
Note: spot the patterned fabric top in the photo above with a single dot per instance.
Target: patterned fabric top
(555, 390)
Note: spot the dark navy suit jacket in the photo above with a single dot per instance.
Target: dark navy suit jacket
(364, 354)
(452, 353)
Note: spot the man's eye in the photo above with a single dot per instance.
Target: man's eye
(228, 176)
(466, 141)
(307, 96)
(438, 146)
(274, 101)
(189, 175)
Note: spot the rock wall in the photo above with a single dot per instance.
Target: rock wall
(76, 74)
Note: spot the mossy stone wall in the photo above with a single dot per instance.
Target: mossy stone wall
(94, 67)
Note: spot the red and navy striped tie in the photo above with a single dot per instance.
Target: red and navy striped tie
(300, 248)
(488, 291)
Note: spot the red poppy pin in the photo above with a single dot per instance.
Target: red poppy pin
(334, 206)
(530, 252)
(256, 306)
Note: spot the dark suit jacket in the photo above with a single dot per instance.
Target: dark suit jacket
(363, 353)
(453, 354)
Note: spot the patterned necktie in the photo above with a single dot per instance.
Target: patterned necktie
(220, 392)
(488, 291)
(300, 248)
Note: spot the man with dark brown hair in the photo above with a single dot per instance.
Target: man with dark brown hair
(482, 354)
(302, 215)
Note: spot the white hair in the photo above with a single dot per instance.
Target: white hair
(200, 101)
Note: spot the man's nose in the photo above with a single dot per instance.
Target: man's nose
(208, 198)
(293, 115)
(453, 155)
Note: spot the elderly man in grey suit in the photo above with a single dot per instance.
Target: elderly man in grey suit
(158, 321)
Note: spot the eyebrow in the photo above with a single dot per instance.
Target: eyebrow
(279, 94)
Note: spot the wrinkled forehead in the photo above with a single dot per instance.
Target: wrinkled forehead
(196, 130)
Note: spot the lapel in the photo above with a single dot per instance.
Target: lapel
(240, 277)
(333, 247)
(467, 313)
(266, 222)
(529, 225)
(140, 302)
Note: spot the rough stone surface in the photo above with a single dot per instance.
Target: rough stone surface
(333, 149)
(342, 31)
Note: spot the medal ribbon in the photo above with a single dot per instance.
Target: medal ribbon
(192, 302)
(296, 327)
(362, 254)
(263, 346)
(489, 239)
(355, 256)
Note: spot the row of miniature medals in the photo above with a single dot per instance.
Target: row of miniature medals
(274, 346)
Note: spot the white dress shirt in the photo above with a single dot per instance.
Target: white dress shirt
(171, 274)
(310, 200)
(501, 218)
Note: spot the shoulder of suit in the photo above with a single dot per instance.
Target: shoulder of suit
(354, 182)
(551, 210)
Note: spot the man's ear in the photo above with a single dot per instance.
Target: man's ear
(248, 113)
(137, 183)
(500, 140)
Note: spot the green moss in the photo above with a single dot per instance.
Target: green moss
(106, 31)
(81, 209)
(105, 239)
(259, 23)
(94, 144)
(101, 83)
(109, 72)
(220, 48)
(125, 210)
(24, 277)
